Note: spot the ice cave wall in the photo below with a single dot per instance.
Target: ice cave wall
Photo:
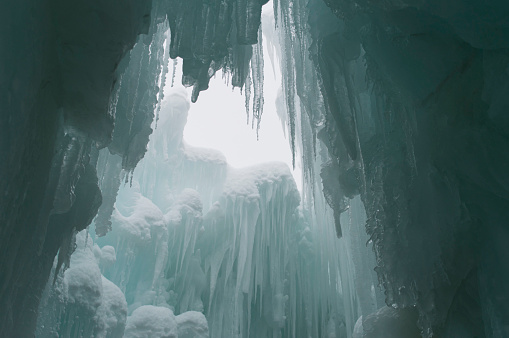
(76, 77)
(407, 99)
(414, 120)
(56, 78)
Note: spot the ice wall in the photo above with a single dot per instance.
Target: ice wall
(403, 103)
(413, 122)
(56, 80)
(77, 77)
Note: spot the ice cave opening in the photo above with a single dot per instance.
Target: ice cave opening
(211, 234)
(358, 187)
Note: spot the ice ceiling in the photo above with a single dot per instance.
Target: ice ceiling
(397, 108)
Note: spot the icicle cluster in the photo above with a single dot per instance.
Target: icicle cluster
(209, 36)
(226, 35)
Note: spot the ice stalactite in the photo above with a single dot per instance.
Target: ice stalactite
(109, 174)
(136, 101)
(305, 112)
(210, 36)
(257, 78)
(164, 73)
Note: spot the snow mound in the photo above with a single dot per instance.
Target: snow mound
(151, 321)
(192, 324)
(190, 198)
(247, 181)
(108, 256)
(112, 314)
(82, 284)
(189, 201)
(82, 300)
(195, 154)
(139, 219)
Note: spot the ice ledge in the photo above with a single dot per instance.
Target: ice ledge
(247, 181)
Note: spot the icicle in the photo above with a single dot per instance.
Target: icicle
(247, 92)
(164, 72)
(257, 76)
(174, 71)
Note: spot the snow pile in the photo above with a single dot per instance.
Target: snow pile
(108, 257)
(82, 282)
(111, 314)
(246, 182)
(188, 198)
(83, 302)
(151, 321)
(196, 154)
(192, 324)
(136, 215)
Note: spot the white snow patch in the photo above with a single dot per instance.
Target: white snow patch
(108, 256)
(190, 198)
(82, 283)
(151, 321)
(112, 314)
(196, 154)
(143, 215)
(246, 181)
(192, 324)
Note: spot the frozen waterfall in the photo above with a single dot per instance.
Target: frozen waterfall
(229, 250)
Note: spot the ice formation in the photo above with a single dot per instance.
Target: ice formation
(398, 109)
(402, 96)
(226, 250)
(81, 302)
